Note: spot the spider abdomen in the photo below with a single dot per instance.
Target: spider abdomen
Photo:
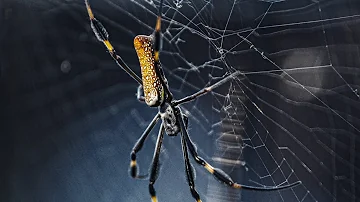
(153, 89)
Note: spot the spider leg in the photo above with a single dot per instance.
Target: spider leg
(139, 94)
(103, 36)
(155, 164)
(206, 90)
(218, 173)
(188, 168)
(157, 47)
(137, 147)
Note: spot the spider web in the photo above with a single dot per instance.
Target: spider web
(291, 113)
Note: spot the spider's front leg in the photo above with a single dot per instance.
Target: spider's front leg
(218, 173)
(189, 170)
(155, 164)
(137, 147)
(190, 173)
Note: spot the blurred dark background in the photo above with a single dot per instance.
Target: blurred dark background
(69, 117)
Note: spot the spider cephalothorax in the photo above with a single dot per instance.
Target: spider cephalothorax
(168, 115)
(156, 94)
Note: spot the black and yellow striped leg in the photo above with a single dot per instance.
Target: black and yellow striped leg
(157, 47)
(188, 168)
(218, 173)
(103, 36)
(137, 147)
(155, 164)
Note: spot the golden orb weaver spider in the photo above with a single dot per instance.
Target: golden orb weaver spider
(157, 94)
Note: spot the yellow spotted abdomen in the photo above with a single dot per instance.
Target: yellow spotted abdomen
(153, 90)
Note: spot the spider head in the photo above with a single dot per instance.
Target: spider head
(168, 116)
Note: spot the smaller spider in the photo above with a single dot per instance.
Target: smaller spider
(157, 94)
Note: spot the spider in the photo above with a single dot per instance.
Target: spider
(156, 93)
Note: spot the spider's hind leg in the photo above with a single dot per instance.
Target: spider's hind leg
(157, 46)
(103, 36)
(139, 94)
